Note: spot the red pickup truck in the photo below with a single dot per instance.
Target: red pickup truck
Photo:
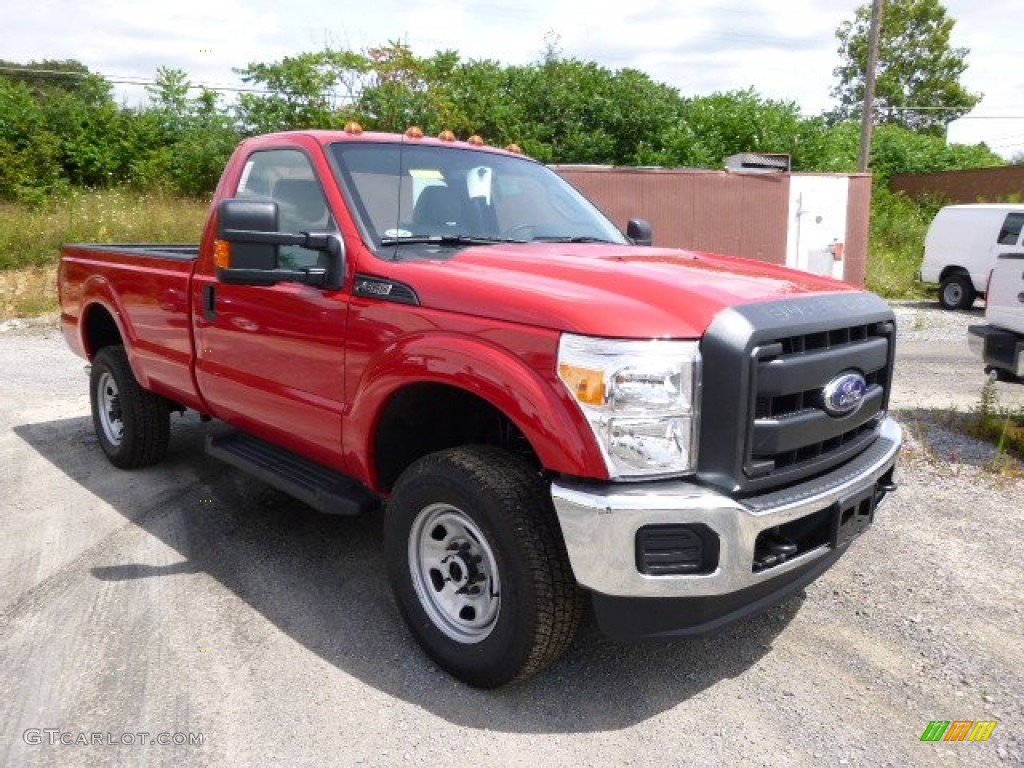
(543, 410)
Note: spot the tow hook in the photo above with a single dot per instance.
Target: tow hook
(774, 550)
(883, 488)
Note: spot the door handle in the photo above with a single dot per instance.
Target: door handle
(210, 302)
(1020, 298)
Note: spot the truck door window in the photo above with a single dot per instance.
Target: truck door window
(286, 176)
(1010, 233)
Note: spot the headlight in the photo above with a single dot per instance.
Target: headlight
(641, 399)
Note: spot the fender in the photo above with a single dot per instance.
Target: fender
(536, 404)
(98, 291)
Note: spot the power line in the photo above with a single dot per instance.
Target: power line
(129, 80)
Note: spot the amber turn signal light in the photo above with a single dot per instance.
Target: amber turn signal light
(585, 383)
(222, 254)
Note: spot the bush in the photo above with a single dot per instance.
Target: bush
(898, 229)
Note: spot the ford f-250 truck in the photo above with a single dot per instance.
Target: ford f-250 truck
(542, 409)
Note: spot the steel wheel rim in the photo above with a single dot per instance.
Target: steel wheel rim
(109, 405)
(454, 573)
(954, 293)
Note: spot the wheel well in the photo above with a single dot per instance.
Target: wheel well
(100, 330)
(950, 271)
(425, 418)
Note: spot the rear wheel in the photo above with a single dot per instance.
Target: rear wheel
(133, 425)
(478, 566)
(957, 292)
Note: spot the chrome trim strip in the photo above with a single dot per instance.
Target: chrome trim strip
(599, 525)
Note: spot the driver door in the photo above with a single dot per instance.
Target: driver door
(270, 359)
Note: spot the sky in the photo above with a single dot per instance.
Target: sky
(785, 51)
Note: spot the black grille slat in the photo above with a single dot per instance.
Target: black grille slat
(785, 374)
(809, 426)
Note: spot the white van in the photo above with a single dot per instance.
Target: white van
(962, 245)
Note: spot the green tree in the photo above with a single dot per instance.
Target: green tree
(573, 111)
(311, 90)
(47, 75)
(30, 166)
(182, 141)
(898, 150)
(917, 66)
(713, 127)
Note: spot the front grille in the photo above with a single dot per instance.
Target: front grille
(764, 423)
(790, 428)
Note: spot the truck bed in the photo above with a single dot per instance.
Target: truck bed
(144, 289)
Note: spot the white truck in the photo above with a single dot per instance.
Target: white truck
(961, 247)
(1000, 342)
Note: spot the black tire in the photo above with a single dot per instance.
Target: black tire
(448, 502)
(133, 425)
(957, 292)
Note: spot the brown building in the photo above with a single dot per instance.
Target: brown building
(814, 222)
(983, 185)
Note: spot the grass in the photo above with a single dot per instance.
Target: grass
(31, 237)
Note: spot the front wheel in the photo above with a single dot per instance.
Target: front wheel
(133, 425)
(957, 292)
(478, 566)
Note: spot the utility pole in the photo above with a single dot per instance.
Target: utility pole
(868, 115)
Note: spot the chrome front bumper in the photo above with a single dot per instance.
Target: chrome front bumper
(600, 523)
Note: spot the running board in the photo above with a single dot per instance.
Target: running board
(324, 489)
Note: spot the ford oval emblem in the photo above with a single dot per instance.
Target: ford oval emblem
(844, 394)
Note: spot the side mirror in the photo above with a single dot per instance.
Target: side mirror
(248, 248)
(241, 217)
(639, 231)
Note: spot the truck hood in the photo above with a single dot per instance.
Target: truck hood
(603, 290)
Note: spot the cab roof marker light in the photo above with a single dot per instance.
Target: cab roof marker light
(475, 140)
(414, 132)
(446, 136)
(353, 128)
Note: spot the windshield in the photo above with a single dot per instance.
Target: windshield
(406, 193)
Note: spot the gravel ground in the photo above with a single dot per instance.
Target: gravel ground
(188, 598)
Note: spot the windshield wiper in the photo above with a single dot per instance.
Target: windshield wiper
(577, 239)
(448, 240)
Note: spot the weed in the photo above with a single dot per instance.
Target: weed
(1003, 427)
